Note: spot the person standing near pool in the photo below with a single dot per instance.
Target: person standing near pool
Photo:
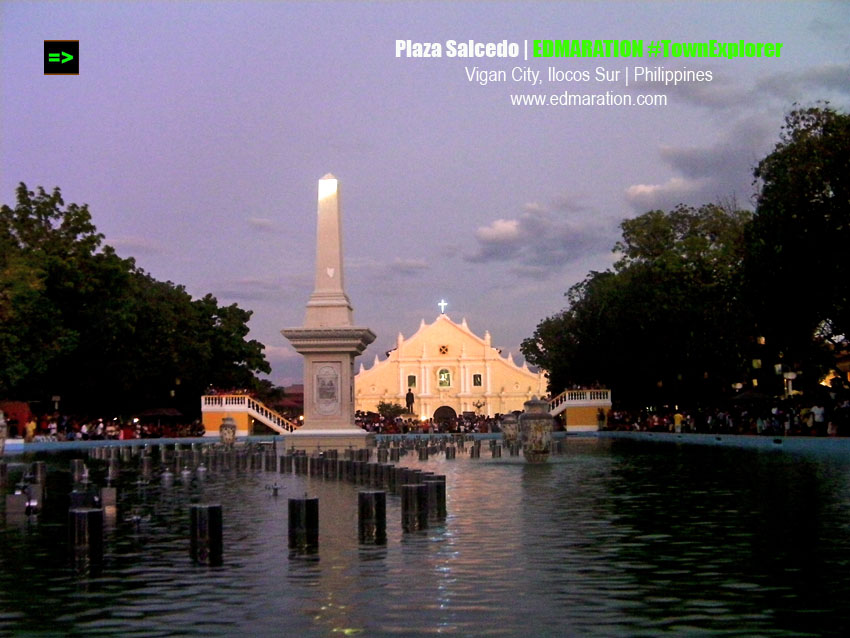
(2, 432)
(29, 430)
(819, 414)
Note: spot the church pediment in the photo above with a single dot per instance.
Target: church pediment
(444, 342)
(443, 338)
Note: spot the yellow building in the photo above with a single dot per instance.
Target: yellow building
(449, 370)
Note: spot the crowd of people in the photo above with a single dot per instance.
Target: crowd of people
(787, 417)
(463, 424)
(57, 427)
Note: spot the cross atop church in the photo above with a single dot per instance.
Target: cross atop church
(442, 305)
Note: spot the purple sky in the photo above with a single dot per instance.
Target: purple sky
(196, 132)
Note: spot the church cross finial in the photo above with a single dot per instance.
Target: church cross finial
(442, 305)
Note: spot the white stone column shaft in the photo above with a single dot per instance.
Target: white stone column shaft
(329, 306)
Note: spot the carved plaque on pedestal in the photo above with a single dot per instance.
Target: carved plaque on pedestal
(326, 389)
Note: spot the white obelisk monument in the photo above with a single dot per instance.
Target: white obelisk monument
(328, 341)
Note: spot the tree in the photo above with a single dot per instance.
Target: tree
(78, 321)
(666, 324)
(390, 410)
(695, 293)
(796, 262)
(269, 393)
(45, 283)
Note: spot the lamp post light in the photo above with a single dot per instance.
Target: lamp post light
(789, 382)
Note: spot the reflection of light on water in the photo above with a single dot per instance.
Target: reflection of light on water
(605, 540)
(446, 581)
(462, 564)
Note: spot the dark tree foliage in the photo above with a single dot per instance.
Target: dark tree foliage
(667, 324)
(390, 410)
(79, 322)
(682, 315)
(797, 266)
(269, 393)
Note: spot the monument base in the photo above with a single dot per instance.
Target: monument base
(322, 439)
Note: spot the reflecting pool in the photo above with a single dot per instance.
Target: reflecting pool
(612, 538)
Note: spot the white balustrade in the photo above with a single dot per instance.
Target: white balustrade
(559, 403)
(244, 403)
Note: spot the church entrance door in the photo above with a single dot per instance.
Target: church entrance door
(444, 413)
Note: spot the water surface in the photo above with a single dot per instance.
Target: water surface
(614, 538)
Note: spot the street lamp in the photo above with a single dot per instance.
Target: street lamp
(789, 382)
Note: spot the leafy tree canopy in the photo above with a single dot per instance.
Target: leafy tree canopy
(79, 322)
(665, 324)
(390, 410)
(797, 263)
(682, 314)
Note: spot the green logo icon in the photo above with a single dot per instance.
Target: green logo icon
(61, 57)
(54, 57)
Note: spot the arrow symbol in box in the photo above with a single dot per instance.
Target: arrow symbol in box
(54, 57)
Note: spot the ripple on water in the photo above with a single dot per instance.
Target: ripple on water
(607, 541)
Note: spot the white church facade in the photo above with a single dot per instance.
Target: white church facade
(450, 370)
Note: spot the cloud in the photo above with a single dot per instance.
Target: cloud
(752, 116)
(529, 272)
(287, 365)
(796, 86)
(263, 224)
(727, 93)
(724, 91)
(711, 173)
(255, 282)
(721, 94)
(408, 266)
(731, 95)
(541, 241)
(280, 354)
(449, 250)
(569, 203)
(500, 231)
(533, 207)
(675, 189)
(834, 31)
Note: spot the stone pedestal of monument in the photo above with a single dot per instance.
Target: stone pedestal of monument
(535, 426)
(328, 387)
(328, 341)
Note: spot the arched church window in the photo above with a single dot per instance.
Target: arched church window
(445, 378)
